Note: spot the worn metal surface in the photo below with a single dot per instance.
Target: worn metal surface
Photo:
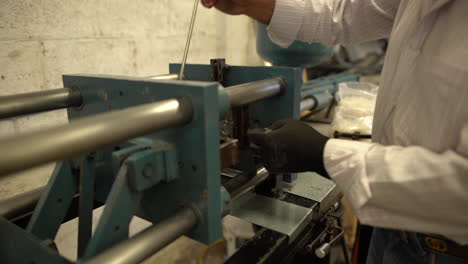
(29, 103)
(317, 188)
(150, 240)
(274, 214)
(88, 134)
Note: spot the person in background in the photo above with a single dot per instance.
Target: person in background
(411, 182)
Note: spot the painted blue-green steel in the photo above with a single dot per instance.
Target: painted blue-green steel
(86, 202)
(197, 145)
(149, 167)
(298, 54)
(21, 247)
(115, 219)
(53, 205)
(265, 111)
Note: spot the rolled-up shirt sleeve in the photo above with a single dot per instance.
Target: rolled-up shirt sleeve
(409, 188)
(331, 21)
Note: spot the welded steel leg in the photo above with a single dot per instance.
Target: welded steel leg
(115, 219)
(85, 220)
(54, 202)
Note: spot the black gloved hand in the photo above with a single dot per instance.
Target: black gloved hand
(290, 146)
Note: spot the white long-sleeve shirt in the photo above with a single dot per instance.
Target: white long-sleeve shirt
(415, 175)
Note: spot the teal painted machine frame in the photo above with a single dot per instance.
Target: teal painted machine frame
(116, 175)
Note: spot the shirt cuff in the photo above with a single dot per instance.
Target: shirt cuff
(345, 162)
(286, 21)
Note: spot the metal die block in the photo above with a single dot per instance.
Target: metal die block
(274, 214)
(317, 188)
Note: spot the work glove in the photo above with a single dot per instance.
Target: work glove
(290, 146)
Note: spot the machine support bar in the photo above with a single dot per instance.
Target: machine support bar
(20, 204)
(308, 103)
(149, 241)
(253, 91)
(91, 133)
(86, 203)
(29, 103)
(170, 76)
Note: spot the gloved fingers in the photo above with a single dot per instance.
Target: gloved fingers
(258, 136)
(278, 124)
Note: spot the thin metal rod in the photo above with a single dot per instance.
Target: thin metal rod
(308, 103)
(28, 103)
(20, 204)
(91, 133)
(169, 76)
(261, 175)
(149, 241)
(253, 91)
(189, 38)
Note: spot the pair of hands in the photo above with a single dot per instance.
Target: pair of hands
(290, 146)
(260, 10)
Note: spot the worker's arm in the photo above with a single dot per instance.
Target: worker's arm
(325, 21)
(409, 188)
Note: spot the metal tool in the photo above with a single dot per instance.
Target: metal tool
(189, 38)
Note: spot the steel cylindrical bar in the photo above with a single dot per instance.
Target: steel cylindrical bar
(20, 204)
(253, 91)
(149, 241)
(91, 133)
(261, 175)
(28, 103)
(170, 76)
(308, 103)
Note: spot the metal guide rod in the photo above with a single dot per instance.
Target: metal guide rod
(169, 76)
(307, 104)
(28, 103)
(253, 91)
(20, 204)
(261, 175)
(189, 38)
(91, 133)
(150, 240)
(40, 101)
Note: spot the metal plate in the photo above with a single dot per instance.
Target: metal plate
(277, 215)
(315, 187)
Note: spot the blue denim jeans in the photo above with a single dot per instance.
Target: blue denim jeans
(388, 247)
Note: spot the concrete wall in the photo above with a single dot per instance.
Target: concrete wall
(42, 39)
